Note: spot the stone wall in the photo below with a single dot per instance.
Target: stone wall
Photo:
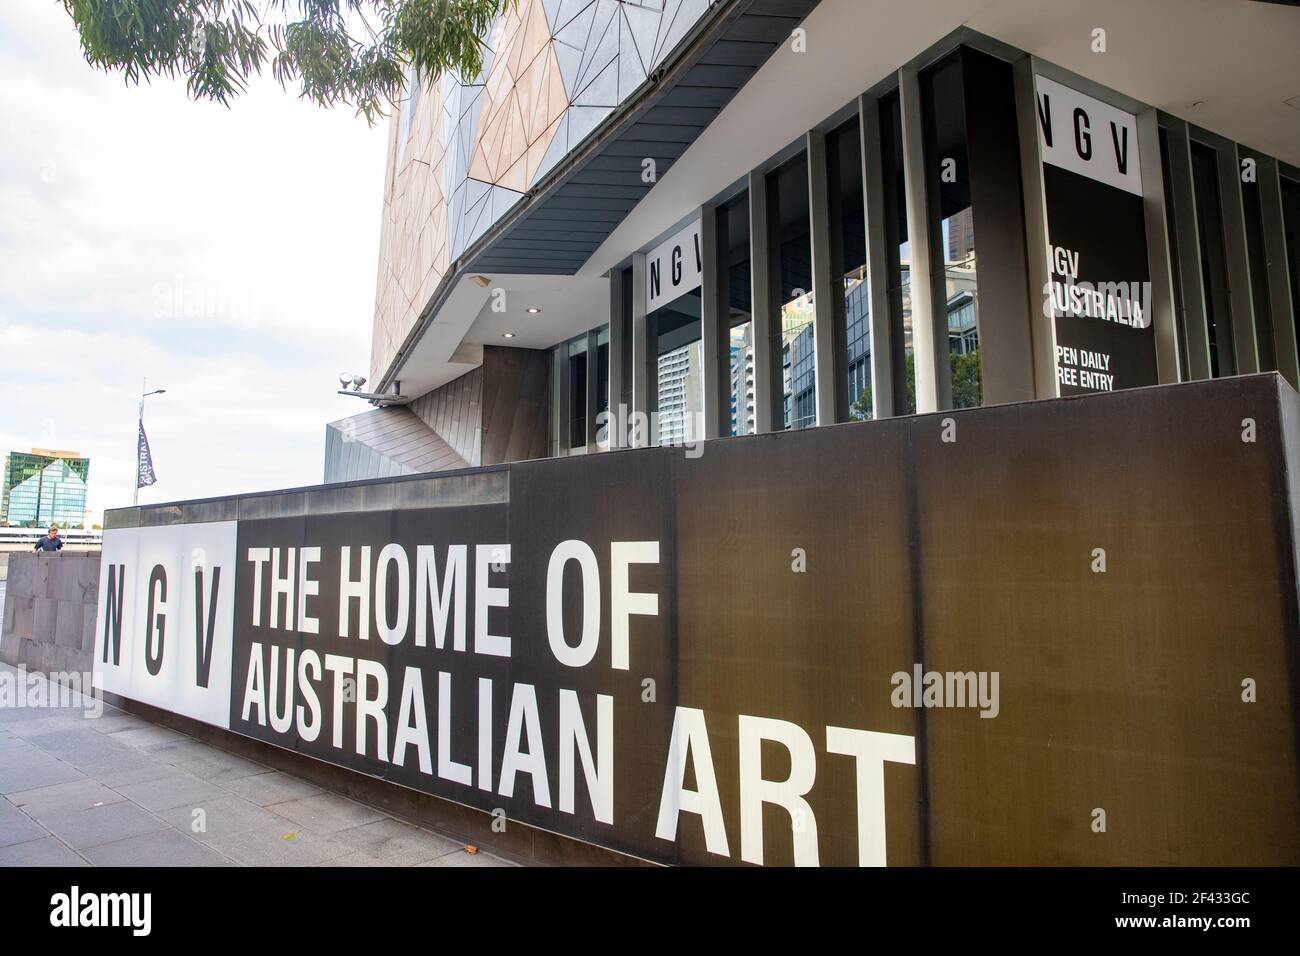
(49, 611)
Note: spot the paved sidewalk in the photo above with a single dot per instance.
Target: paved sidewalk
(119, 791)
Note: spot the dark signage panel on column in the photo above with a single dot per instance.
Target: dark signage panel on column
(1100, 294)
(856, 645)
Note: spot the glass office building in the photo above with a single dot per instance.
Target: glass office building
(44, 487)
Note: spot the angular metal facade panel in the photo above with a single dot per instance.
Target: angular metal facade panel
(385, 443)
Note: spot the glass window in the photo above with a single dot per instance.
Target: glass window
(733, 240)
(791, 243)
(677, 330)
(569, 388)
(953, 222)
(1180, 318)
(897, 249)
(602, 370)
(1253, 214)
(1214, 276)
(1291, 226)
(849, 252)
(576, 374)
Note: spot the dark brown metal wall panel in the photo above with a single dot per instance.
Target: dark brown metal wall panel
(787, 581)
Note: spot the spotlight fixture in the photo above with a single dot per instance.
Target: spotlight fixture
(358, 381)
(345, 379)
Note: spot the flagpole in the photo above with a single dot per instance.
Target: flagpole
(139, 435)
(139, 423)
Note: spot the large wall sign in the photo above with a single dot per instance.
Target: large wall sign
(674, 267)
(166, 611)
(1100, 290)
(852, 645)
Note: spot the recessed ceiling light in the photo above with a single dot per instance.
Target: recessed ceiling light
(533, 310)
(507, 335)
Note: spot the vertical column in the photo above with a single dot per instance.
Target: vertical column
(559, 399)
(1196, 329)
(1163, 320)
(1042, 324)
(873, 201)
(617, 337)
(831, 388)
(767, 352)
(1240, 304)
(593, 403)
(929, 321)
(642, 364)
(1279, 276)
(713, 325)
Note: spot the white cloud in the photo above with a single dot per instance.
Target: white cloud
(227, 254)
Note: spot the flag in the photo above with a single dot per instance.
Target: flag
(145, 476)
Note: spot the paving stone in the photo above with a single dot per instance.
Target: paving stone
(326, 812)
(149, 736)
(32, 771)
(265, 789)
(281, 845)
(38, 721)
(352, 860)
(253, 815)
(105, 758)
(46, 852)
(18, 752)
(224, 818)
(464, 858)
(179, 789)
(75, 795)
(139, 770)
(163, 848)
(206, 761)
(16, 826)
(99, 825)
(111, 723)
(394, 843)
(70, 740)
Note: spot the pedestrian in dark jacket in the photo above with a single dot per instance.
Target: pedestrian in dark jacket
(51, 542)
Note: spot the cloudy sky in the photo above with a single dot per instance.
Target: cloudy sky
(226, 255)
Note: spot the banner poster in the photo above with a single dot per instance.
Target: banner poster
(858, 645)
(1100, 288)
(674, 267)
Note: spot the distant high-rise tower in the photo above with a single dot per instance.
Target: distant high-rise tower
(44, 487)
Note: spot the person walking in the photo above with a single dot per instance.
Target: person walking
(51, 542)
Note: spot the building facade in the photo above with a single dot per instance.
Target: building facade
(875, 242)
(1090, 203)
(44, 487)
